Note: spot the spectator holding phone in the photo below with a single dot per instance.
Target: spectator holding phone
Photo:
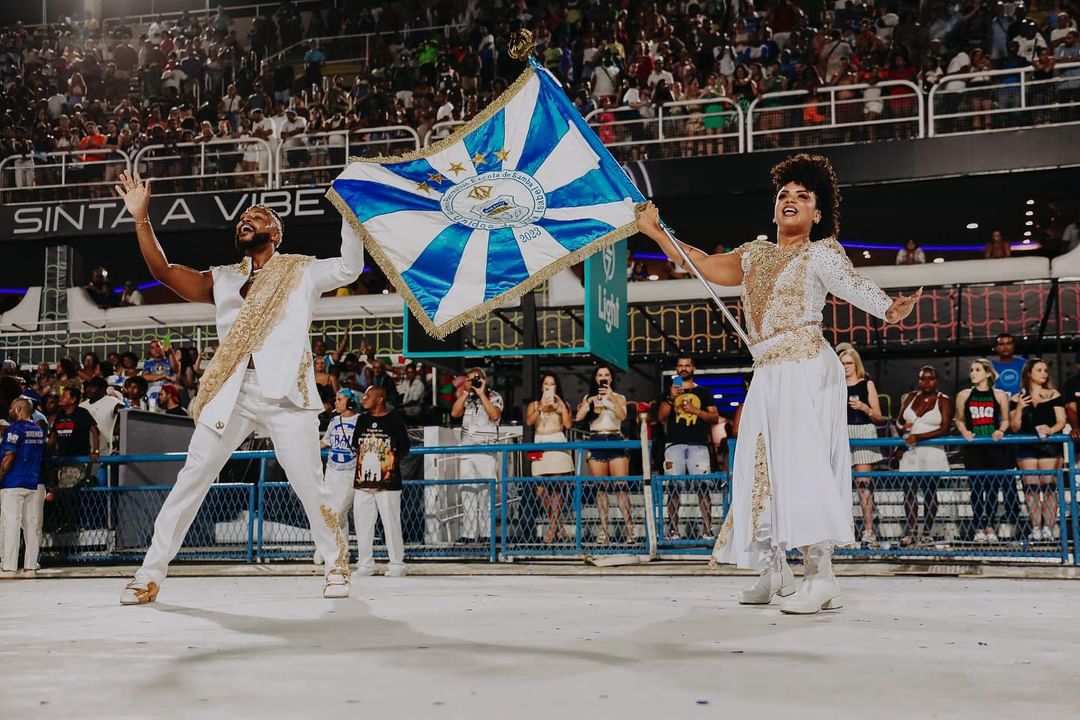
(1038, 409)
(688, 412)
(550, 418)
(604, 410)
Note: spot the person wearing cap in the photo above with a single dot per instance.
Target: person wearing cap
(292, 135)
(341, 462)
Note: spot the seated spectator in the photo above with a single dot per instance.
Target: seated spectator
(910, 254)
(131, 295)
(159, 368)
(170, 400)
(997, 248)
(411, 392)
(99, 290)
(135, 393)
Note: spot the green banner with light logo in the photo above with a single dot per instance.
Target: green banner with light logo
(606, 311)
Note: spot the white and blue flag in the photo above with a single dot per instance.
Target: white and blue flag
(515, 195)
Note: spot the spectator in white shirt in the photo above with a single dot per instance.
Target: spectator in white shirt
(103, 407)
(480, 410)
(411, 393)
(910, 254)
(661, 73)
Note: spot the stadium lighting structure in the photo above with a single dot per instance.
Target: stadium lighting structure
(1029, 223)
(1031, 202)
(1029, 213)
(972, 226)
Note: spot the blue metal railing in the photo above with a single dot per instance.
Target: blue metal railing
(503, 503)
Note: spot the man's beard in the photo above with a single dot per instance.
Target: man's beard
(259, 239)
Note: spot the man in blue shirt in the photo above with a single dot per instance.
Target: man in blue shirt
(1009, 368)
(22, 494)
(1007, 364)
(158, 369)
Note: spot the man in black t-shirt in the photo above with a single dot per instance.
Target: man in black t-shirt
(380, 441)
(1070, 394)
(688, 413)
(74, 433)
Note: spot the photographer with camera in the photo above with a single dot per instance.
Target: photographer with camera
(604, 410)
(480, 410)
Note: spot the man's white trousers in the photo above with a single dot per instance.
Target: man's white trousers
(387, 505)
(295, 434)
(20, 508)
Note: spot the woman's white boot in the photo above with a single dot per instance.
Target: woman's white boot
(819, 589)
(775, 579)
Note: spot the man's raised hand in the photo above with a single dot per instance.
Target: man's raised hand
(136, 194)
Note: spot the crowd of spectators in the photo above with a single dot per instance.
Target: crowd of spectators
(76, 406)
(84, 85)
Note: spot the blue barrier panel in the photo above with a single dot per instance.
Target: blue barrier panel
(264, 521)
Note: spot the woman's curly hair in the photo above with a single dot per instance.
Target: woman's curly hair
(816, 174)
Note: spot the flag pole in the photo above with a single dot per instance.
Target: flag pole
(708, 287)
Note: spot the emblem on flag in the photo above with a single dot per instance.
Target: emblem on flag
(520, 192)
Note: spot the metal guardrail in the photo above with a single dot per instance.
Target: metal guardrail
(708, 126)
(317, 158)
(1004, 100)
(353, 42)
(35, 178)
(211, 166)
(263, 520)
(440, 130)
(794, 118)
(898, 109)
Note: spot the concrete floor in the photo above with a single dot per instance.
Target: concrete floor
(536, 647)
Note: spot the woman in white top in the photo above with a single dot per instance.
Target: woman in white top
(550, 417)
(924, 414)
(791, 478)
(341, 462)
(605, 411)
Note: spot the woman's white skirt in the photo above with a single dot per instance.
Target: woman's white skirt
(791, 484)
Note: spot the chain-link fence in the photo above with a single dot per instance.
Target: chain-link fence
(1012, 507)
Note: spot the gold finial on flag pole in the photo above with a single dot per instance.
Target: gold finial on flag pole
(521, 44)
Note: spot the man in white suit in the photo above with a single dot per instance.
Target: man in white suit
(260, 377)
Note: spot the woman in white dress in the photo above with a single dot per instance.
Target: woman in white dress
(791, 484)
(550, 418)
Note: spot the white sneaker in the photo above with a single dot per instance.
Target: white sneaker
(1048, 533)
(1005, 532)
(980, 536)
(337, 584)
(1036, 535)
(991, 537)
(395, 571)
